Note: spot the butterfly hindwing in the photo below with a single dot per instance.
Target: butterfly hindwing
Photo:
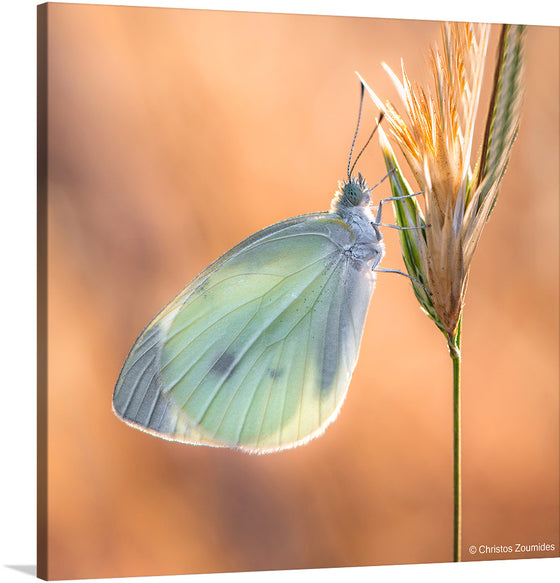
(257, 352)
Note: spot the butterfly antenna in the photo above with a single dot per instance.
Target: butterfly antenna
(349, 169)
(379, 120)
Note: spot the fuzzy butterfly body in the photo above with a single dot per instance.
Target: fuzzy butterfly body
(257, 352)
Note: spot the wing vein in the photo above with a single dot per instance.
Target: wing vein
(136, 384)
(265, 411)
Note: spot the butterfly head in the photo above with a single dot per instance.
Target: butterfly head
(353, 193)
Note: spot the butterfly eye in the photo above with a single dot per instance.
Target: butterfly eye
(353, 194)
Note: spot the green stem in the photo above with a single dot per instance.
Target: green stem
(455, 353)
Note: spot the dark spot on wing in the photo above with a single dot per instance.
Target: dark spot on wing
(275, 373)
(223, 366)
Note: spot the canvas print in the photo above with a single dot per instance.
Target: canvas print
(298, 291)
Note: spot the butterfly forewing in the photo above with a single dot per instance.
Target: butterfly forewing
(257, 352)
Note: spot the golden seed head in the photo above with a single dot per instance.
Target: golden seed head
(435, 135)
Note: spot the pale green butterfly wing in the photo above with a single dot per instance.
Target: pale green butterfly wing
(257, 352)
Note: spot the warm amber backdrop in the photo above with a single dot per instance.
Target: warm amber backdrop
(174, 134)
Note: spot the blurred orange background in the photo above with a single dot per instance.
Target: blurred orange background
(172, 135)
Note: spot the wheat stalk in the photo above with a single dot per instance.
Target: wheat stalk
(435, 137)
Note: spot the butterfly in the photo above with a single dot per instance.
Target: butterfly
(256, 353)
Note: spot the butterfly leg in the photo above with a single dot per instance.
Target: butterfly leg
(391, 198)
(383, 270)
